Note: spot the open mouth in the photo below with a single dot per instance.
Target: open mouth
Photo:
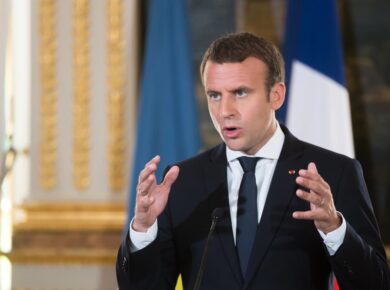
(231, 132)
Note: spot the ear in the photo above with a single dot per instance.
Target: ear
(277, 95)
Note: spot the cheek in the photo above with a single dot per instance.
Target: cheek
(252, 113)
(216, 124)
(213, 110)
(256, 118)
(213, 116)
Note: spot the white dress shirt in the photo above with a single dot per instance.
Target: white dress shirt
(265, 168)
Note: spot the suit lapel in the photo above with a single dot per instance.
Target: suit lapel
(216, 180)
(280, 194)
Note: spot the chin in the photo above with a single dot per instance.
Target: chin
(234, 147)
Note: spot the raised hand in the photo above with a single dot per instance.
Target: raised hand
(152, 197)
(322, 209)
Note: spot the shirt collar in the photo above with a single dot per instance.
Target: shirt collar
(270, 150)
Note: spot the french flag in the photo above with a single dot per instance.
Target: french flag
(318, 108)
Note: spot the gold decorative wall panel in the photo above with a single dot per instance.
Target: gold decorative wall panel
(67, 233)
(48, 95)
(81, 94)
(116, 96)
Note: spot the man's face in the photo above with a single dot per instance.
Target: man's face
(240, 108)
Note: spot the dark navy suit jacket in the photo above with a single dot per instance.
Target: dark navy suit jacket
(288, 254)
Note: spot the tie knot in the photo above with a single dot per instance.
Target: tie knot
(248, 164)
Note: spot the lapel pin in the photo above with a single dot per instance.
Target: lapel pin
(291, 171)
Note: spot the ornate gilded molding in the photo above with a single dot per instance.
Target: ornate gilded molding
(48, 96)
(81, 95)
(65, 217)
(116, 96)
(85, 233)
(65, 256)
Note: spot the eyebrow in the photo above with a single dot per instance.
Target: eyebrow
(241, 88)
(212, 92)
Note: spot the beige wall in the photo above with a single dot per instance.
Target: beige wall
(76, 89)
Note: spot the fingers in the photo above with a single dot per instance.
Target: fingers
(319, 187)
(311, 197)
(145, 187)
(147, 177)
(148, 188)
(310, 173)
(152, 197)
(308, 215)
(312, 167)
(312, 180)
(149, 168)
(318, 191)
(157, 194)
(319, 196)
(325, 221)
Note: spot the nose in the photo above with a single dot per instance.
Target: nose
(227, 107)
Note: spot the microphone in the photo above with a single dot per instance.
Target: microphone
(215, 217)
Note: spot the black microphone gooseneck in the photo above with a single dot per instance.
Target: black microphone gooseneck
(215, 217)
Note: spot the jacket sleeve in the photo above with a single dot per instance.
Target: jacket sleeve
(152, 268)
(360, 262)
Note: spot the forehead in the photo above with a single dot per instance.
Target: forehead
(248, 72)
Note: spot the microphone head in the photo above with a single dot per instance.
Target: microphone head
(217, 214)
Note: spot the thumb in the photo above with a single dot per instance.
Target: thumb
(170, 177)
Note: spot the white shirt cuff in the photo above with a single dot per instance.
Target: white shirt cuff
(333, 240)
(139, 240)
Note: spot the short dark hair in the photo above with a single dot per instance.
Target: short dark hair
(237, 47)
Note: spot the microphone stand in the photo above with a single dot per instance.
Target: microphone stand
(216, 215)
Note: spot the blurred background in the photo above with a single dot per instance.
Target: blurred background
(90, 89)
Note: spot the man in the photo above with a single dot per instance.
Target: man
(308, 207)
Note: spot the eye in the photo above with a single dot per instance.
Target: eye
(240, 93)
(214, 96)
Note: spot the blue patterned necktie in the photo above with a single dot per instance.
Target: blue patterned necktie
(246, 211)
